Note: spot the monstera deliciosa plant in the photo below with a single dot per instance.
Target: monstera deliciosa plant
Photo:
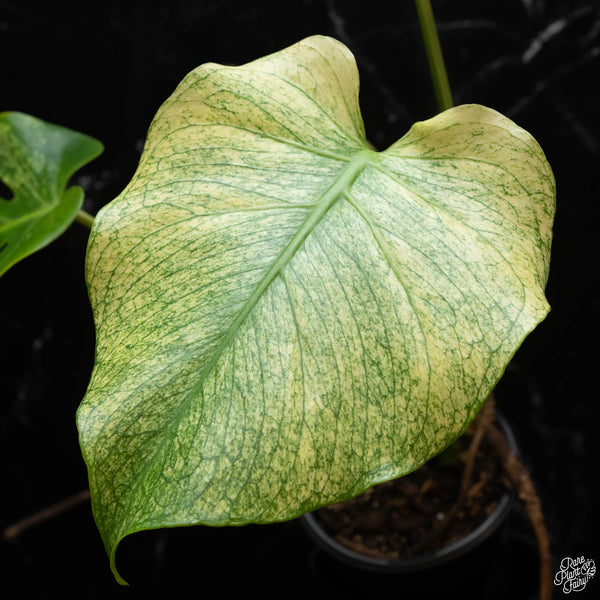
(285, 316)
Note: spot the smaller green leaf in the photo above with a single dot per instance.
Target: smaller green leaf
(37, 159)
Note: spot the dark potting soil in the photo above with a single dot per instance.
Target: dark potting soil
(402, 518)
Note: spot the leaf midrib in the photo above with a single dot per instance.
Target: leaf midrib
(34, 215)
(321, 207)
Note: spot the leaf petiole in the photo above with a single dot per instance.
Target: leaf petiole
(85, 219)
(435, 57)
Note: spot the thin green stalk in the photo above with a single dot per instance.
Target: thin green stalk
(434, 55)
(84, 218)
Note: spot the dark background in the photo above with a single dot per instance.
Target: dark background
(104, 68)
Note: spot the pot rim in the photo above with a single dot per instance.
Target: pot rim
(416, 563)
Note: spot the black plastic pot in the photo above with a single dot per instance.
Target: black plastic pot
(412, 564)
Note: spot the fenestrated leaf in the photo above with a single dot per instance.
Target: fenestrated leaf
(286, 317)
(37, 160)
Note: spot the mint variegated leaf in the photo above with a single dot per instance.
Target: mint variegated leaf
(286, 317)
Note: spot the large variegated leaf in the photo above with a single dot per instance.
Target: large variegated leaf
(286, 317)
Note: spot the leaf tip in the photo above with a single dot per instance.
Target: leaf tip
(113, 567)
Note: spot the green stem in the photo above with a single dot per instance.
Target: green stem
(84, 218)
(434, 55)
